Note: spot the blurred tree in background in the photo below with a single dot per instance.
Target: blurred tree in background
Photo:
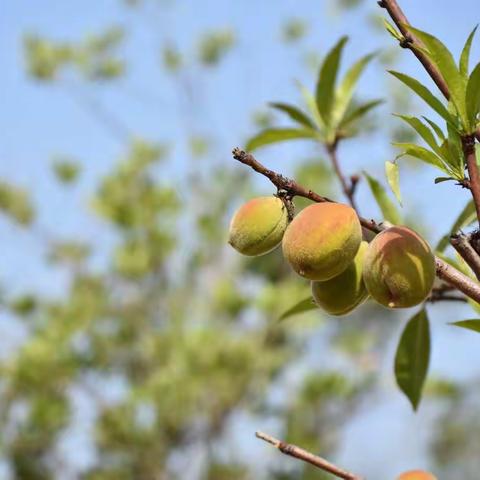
(172, 343)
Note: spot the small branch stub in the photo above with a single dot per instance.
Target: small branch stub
(308, 457)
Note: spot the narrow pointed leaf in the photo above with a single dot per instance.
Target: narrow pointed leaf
(294, 113)
(471, 324)
(276, 135)
(422, 153)
(347, 87)
(389, 211)
(424, 132)
(465, 56)
(444, 61)
(438, 131)
(466, 217)
(412, 357)
(473, 98)
(359, 112)
(311, 104)
(393, 179)
(392, 30)
(443, 179)
(304, 305)
(425, 94)
(325, 91)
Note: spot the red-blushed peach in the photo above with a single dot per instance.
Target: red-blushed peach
(399, 268)
(322, 240)
(343, 293)
(416, 475)
(257, 227)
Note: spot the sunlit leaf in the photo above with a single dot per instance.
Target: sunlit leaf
(359, 112)
(325, 91)
(275, 135)
(389, 211)
(294, 113)
(473, 98)
(412, 357)
(393, 179)
(465, 56)
(304, 305)
(425, 94)
(421, 153)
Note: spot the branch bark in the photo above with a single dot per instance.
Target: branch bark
(445, 271)
(306, 456)
(462, 245)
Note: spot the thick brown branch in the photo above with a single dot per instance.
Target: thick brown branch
(444, 271)
(468, 143)
(301, 454)
(462, 245)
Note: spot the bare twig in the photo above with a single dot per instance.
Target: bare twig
(301, 454)
(444, 293)
(444, 271)
(348, 190)
(461, 244)
(468, 143)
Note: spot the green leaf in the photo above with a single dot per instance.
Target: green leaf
(304, 305)
(345, 90)
(359, 112)
(412, 357)
(421, 153)
(311, 104)
(294, 113)
(435, 128)
(454, 146)
(472, 98)
(325, 91)
(443, 179)
(393, 179)
(466, 217)
(275, 135)
(444, 61)
(392, 30)
(471, 324)
(465, 56)
(425, 94)
(389, 211)
(424, 132)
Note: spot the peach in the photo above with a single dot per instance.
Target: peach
(322, 240)
(416, 475)
(399, 268)
(257, 227)
(343, 293)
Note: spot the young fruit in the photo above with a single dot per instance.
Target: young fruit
(258, 226)
(399, 268)
(416, 475)
(343, 293)
(322, 240)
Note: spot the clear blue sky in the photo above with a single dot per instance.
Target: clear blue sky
(37, 122)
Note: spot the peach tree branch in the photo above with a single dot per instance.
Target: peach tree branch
(444, 271)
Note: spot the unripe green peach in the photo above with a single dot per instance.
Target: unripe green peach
(343, 293)
(416, 475)
(258, 226)
(322, 240)
(399, 268)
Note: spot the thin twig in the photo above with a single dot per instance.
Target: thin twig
(445, 271)
(468, 144)
(348, 190)
(301, 454)
(461, 244)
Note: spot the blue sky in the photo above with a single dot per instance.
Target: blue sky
(38, 122)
